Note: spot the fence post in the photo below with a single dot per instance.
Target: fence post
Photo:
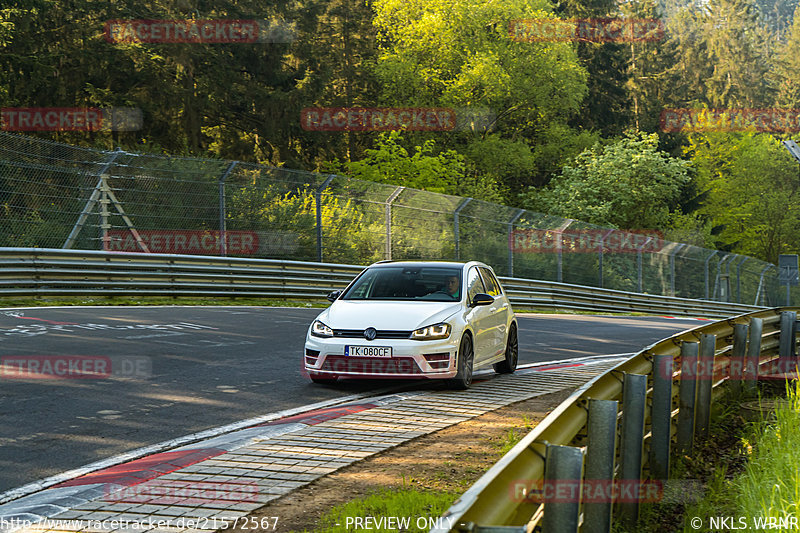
(705, 379)
(601, 451)
(753, 353)
(318, 203)
(93, 199)
(223, 225)
(706, 272)
(661, 416)
(456, 228)
(736, 371)
(392, 198)
(562, 484)
(672, 255)
(739, 280)
(559, 251)
(600, 252)
(639, 253)
(634, 399)
(686, 396)
(510, 247)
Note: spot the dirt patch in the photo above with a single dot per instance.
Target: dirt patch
(451, 459)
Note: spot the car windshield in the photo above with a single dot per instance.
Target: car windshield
(438, 284)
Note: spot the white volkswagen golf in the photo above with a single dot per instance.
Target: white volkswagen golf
(414, 320)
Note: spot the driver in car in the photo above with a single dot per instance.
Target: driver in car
(452, 287)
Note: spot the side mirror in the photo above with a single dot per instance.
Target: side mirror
(332, 296)
(481, 299)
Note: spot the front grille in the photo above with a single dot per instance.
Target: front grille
(382, 334)
(370, 365)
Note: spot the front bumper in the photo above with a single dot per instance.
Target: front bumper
(324, 357)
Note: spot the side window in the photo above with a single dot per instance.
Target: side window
(474, 284)
(492, 285)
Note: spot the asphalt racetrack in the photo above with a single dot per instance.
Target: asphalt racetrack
(165, 372)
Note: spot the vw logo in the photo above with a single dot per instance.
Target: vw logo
(370, 334)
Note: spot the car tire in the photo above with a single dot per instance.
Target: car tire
(509, 364)
(320, 380)
(464, 363)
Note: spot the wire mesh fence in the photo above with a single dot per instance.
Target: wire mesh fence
(54, 195)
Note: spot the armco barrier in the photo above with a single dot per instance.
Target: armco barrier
(675, 372)
(26, 272)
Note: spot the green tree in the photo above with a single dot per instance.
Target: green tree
(751, 192)
(460, 54)
(628, 184)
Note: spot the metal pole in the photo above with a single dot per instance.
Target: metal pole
(511, 248)
(634, 399)
(739, 280)
(223, 225)
(601, 449)
(705, 379)
(672, 255)
(661, 416)
(686, 396)
(389, 201)
(562, 483)
(707, 276)
(559, 251)
(456, 229)
(761, 282)
(639, 253)
(786, 347)
(600, 257)
(318, 202)
(753, 354)
(736, 369)
(93, 199)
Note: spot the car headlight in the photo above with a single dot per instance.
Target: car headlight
(318, 329)
(429, 333)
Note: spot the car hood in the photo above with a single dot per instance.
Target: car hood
(403, 316)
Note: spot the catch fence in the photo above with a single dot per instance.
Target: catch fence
(55, 195)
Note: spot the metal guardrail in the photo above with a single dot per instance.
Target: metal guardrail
(27, 272)
(494, 503)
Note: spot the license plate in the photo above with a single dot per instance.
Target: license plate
(368, 351)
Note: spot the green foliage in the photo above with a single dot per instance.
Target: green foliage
(751, 192)
(628, 184)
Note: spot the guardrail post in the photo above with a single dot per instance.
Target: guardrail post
(634, 399)
(661, 416)
(736, 369)
(562, 484)
(601, 451)
(705, 379)
(686, 396)
(788, 329)
(753, 354)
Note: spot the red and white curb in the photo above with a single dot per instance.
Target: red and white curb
(210, 478)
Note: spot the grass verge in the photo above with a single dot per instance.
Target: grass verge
(743, 477)
(155, 300)
(765, 494)
(404, 509)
